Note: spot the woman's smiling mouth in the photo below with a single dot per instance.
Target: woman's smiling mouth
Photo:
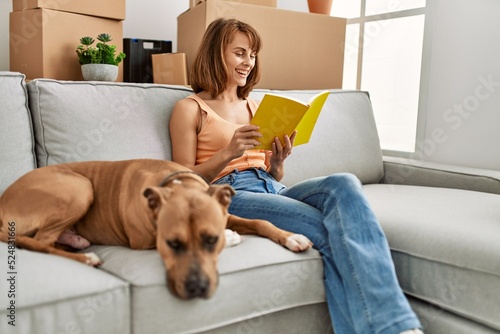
(242, 73)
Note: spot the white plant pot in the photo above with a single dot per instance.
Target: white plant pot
(99, 72)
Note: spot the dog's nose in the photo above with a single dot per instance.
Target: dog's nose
(197, 284)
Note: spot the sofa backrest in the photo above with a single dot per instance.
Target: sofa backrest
(345, 138)
(77, 121)
(17, 149)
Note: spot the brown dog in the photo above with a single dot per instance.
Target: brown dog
(141, 204)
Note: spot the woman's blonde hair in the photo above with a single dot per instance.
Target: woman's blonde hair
(209, 71)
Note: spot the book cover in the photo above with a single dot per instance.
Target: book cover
(279, 115)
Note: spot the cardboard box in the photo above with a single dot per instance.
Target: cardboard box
(170, 68)
(269, 3)
(43, 42)
(300, 50)
(113, 9)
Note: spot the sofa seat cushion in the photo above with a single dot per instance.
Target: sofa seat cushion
(437, 320)
(17, 152)
(81, 121)
(345, 125)
(257, 278)
(445, 246)
(53, 294)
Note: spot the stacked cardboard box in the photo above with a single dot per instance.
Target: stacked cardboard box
(300, 50)
(44, 34)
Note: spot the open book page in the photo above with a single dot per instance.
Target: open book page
(306, 125)
(278, 116)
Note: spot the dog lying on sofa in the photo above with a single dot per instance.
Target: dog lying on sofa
(141, 204)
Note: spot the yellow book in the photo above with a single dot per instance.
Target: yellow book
(279, 115)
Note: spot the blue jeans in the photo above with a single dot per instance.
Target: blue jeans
(361, 287)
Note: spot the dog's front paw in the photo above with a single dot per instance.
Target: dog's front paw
(232, 238)
(93, 260)
(298, 243)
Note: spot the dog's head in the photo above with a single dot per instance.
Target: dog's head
(190, 234)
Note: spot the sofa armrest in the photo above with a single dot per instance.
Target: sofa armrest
(423, 173)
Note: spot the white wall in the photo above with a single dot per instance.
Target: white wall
(463, 112)
(153, 19)
(463, 109)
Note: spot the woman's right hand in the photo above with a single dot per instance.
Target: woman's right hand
(244, 138)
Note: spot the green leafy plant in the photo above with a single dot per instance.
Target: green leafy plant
(102, 53)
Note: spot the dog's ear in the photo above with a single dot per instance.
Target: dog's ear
(153, 196)
(223, 193)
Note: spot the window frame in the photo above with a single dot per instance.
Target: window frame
(362, 20)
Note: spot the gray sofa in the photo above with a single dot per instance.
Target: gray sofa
(442, 223)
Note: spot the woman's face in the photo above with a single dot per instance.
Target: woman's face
(240, 59)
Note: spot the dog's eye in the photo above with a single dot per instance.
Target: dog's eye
(210, 241)
(176, 245)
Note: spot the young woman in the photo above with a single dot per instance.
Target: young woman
(211, 134)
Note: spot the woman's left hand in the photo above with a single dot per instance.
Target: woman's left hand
(279, 152)
(278, 155)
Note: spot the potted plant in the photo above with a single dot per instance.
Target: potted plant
(99, 63)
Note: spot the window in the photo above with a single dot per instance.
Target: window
(383, 55)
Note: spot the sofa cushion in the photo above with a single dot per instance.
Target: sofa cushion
(445, 246)
(436, 320)
(78, 121)
(257, 278)
(53, 294)
(17, 152)
(345, 139)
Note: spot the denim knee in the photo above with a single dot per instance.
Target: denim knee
(340, 185)
(344, 180)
